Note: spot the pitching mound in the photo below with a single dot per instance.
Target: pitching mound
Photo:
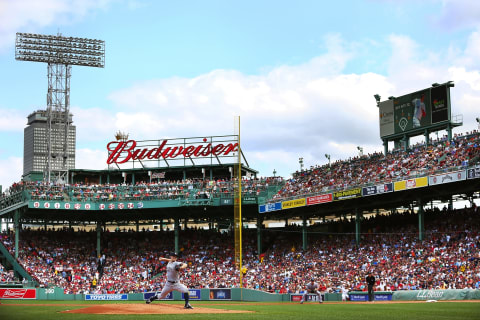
(147, 309)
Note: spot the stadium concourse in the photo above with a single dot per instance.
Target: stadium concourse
(448, 257)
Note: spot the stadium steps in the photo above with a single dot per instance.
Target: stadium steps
(269, 193)
(10, 261)
(12, 202)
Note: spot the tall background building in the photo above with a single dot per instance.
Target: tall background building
(35, 147)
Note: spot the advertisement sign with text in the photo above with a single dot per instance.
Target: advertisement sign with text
(194, 294)
(447, 177)
(270, 207)
(347, 194)
(297, 297)
(15, 293)
(387, 121)
(294, 203)
(106, 297)
(322, 198)
(220, 294)
(410, 184)
(473, 173)
(378, 189)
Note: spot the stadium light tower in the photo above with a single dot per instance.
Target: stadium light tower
(60, 53)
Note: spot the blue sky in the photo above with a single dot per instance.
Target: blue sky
(300, 74)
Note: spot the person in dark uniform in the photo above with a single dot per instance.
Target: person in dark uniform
(370, 284)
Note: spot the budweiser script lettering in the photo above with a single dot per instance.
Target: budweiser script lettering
(425, 294)
(123, 151)
(14, 293)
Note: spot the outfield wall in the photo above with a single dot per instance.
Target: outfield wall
(237, 294)
(447, 294)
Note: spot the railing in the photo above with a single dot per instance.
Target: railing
(333, 189)
(11, 200)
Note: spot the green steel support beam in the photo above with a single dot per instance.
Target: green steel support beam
(427, 137)
(17, 231)
(358, 225)
(449, 132)
(99, 235)
(421, 221)
(177, 233)
(304, 233)
(259, 234)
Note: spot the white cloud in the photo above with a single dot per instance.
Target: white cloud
(91, 159)
(31, 15)
(12, 120)
(11, 170)
(459, 13)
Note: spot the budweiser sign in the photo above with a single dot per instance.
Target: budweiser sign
(9, 293)
(123, 151)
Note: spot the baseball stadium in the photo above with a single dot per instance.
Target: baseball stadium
(77, 243)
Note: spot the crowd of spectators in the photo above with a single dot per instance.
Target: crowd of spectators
(7, 275)
(187, 189)
(462, 151)
(449, 257)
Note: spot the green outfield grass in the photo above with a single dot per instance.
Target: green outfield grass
(448, 310)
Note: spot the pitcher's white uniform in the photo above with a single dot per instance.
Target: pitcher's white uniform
(173, 281)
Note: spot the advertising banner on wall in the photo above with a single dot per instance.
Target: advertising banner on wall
(387, 121)
(220, 294)
(378, 189)
(410, 184)
(294, 203)
(447, 177)
(14, 293)
(270, 207)
(296, 297)
(347, 194)
(106, 297)
(473, 173)
(322, 198)
(194, 294)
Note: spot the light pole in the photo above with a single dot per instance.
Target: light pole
(377, 98)
(360, 151)
(328, 157)
(300, 161)
(478, 121)
(274, 172)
